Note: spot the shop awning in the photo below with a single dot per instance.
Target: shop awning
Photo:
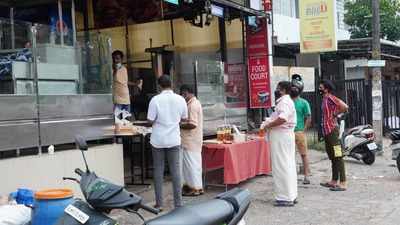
(355, 47)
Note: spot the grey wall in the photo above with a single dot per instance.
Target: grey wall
(46, 171)
(61, 116)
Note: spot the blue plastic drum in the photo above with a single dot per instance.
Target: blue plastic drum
(50, 205)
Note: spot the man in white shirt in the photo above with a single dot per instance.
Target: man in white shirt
(282, 144)
(166, 111)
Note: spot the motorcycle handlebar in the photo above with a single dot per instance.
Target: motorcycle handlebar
(78, 171)
(150, 209)
(72, 179)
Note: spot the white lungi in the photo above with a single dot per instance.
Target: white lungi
(283, 158)
(192, 169)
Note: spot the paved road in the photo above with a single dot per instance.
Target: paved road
(373, 197)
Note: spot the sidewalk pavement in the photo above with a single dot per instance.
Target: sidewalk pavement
(373, 197)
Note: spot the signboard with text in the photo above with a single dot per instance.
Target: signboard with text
(317, 26)
(235, 86)
(258, 65)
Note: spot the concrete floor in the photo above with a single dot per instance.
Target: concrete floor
(373, 197)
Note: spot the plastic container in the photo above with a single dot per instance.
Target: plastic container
(50, 205)
(23, 196)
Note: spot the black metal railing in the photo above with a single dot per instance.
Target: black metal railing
(357, 94)
(391, 105)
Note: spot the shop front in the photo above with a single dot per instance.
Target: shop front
(201, 43)
(54, 83)
(55, 71)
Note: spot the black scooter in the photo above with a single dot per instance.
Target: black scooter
(102, 197)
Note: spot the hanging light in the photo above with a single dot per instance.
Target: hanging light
(209, 16)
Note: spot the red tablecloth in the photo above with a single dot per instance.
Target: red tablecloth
(240, 161)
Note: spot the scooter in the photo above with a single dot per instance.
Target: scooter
(103, 196)
(358, 142)
(395, 147)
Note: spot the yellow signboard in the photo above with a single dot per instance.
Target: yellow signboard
(317, 26)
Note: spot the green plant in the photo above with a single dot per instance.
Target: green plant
(359, 17)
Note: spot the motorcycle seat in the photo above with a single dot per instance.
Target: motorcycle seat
(211, 212)
(357, 130)
(395, 135)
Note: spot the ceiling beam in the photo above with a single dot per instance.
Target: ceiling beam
(6, 3)
(25, 3)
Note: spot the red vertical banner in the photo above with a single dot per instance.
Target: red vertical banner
(258, 65)
(268, 5)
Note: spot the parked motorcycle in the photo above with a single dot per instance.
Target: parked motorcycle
(395, 147)
(358, 142)
(102, 196)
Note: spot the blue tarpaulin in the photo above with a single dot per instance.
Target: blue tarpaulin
(24, 55)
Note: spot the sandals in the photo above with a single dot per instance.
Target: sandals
(283, 203)
(337, 188)
(328, 185)
(306, 181)
(193, 193)
(160, 208)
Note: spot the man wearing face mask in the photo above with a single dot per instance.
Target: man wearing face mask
(331, 107)
(120, 87)
(303, 112)
(281, 126)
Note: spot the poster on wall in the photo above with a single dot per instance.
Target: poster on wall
(258, 65)
(317, 26)
(235, 86)
(284, 73)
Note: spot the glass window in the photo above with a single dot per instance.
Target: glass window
(96, 63)
(286, 7)
(62, 69)
(340, 15)
(15, 57)
(235, 81)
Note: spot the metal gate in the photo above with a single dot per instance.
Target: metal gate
(357, 94)
(391, 105)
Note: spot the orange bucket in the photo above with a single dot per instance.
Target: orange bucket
(50, 205)
(54, 194)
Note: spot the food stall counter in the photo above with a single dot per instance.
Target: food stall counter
(240, 161)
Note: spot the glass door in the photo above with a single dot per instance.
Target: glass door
(209, 79)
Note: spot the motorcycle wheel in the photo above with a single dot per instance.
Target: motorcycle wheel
(369, 158)
(398, 162)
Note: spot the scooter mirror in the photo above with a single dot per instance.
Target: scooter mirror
(81, 143)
